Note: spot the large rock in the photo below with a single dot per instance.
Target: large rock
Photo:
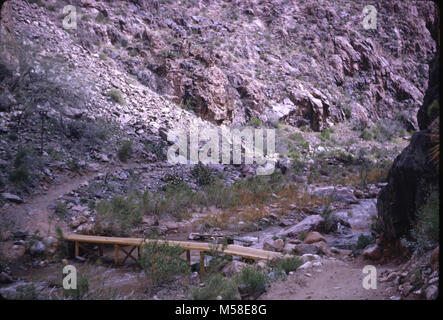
(11, 197)
(304, 248)
(409, 182)
(431, 292)
(312, 222)
(208, 95)
(313, 237)
(37, 248)
(373, 252)
(412, 174)
(276, 245)
(351, 241)
(342, 194)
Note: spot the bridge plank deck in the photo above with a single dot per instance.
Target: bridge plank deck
(234, 250)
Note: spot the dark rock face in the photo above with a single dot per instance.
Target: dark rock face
(409, 181)
(413, 173)
(425, 116)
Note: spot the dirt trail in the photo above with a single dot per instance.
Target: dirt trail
(334, 280)
(34, 213)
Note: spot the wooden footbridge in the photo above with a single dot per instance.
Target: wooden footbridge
(128, 245)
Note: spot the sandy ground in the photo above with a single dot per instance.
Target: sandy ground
(334, 280)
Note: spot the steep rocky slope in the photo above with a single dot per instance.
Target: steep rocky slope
(307, 62)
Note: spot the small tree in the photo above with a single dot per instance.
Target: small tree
(161, 262)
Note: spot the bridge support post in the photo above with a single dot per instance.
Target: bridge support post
(188, 256)
(77, 249)
(116, 254)
(202, 263)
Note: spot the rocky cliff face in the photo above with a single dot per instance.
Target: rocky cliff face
(413, 173)
(305, 62)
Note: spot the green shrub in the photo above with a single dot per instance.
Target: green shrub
(363, 241)
(117, 96)
(326, 134)
(286, 264)
(300, 140)
(125, 150)
(20, 175)
(433, 109)
(214, 286)
(426, 230)
(202, 174)
(156, 148)
(255, 122)
(61, 209)
(347, 110)
(386, 130)
(252, 281)
(123, 211)
(82, 289)
(161, 262)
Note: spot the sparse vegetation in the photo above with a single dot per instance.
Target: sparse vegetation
(216, 285)
(82, 289)
(426, 229)
(20, 173)
(61, 209)
(202, 174)
(156, 148)
(117, 96)
(287, 264)
(255, 122)
(125, 150)
(383, 130)
(363, 241)
(251, 281)
(162, 262)
(325, 134)
(118, 214)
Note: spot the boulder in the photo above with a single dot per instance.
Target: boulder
(409, 181)
(314, 236)
(412, 175)
(312, 222)
(232, 268)
(50, 242)
(340, 194)
(276, 245)
(431, 292)
(11, 197)
(350, 241)
(301, 249)
(38, 248)
(373, 252)
(306, 265)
